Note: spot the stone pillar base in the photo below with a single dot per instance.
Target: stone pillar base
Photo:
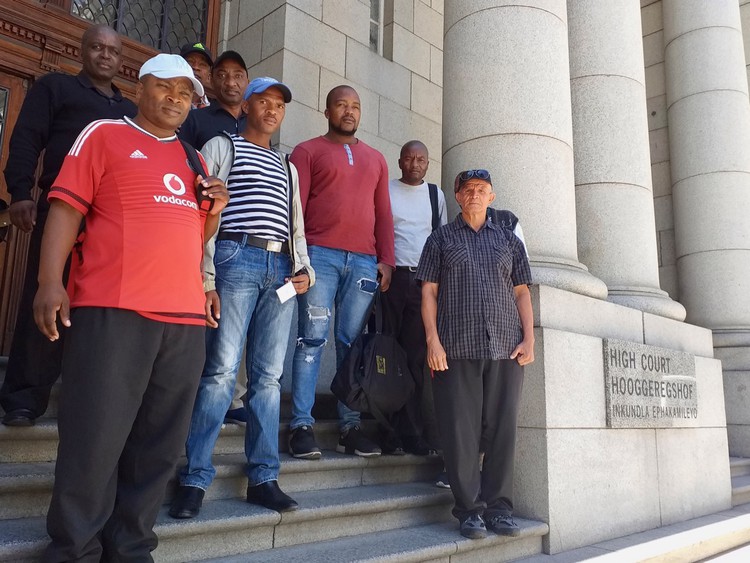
(649, 300)
(568, 275)
(591, 482)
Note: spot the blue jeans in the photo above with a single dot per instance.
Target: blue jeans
(246, 281)
(347, 280)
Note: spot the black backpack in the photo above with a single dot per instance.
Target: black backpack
(374, 377)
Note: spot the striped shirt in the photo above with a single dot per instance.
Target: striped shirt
(257, 185)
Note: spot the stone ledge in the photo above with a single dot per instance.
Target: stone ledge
(676, 335)
(571, 312)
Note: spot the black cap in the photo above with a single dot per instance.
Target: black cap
(231, 56)
(196, 48)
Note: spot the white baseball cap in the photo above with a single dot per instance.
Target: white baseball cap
(170, 66)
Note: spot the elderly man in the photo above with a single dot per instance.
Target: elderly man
(478, 320)
(54, 112)
(135, 317)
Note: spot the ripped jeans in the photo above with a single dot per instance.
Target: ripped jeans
(347, 280)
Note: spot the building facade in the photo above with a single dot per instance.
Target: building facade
(619, 132)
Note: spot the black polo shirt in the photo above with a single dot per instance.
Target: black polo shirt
(54, 112)
(206, 123)
(476, 271)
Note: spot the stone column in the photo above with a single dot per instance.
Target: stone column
(614, 201)
(709, 135)
(506, 100)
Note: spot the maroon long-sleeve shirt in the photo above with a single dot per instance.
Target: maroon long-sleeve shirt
(345, 199)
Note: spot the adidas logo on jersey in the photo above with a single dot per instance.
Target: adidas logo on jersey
(137, 154)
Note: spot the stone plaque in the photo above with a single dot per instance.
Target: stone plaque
(648, 387)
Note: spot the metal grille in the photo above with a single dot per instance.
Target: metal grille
(162, 24)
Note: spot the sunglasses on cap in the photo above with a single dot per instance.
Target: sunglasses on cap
(466, 175)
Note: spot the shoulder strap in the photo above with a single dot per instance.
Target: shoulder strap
(434, 204)
(205, 203)
(502, 217)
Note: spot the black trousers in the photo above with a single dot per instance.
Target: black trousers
(402, 318)
(34, 361)
(476, 402)
(129, 384)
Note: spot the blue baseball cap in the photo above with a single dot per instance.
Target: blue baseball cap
(263, 83)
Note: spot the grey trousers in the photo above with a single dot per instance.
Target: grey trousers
(476, 404)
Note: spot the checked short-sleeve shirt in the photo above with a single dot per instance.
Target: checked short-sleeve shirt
(476, 271)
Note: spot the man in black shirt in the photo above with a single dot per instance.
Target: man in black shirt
(229, 81)
(55, 111)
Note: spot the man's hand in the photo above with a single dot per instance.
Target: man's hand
(436, 356)
(301, 283)
(384, 272)
(51, 298)
(23, 214)
(216, 190)
(213, 308)
(523, 353)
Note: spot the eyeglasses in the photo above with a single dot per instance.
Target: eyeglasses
(479, 174)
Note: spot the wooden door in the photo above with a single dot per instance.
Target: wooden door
(15, 243)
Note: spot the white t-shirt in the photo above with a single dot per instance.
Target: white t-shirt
(412, 219)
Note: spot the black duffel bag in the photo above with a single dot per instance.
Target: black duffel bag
(374, 377)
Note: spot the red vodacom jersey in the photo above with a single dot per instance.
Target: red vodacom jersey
(143, 242)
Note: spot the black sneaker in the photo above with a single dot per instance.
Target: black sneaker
(354, 442)
(503, 525)
(442, 480)
(473, 527)
(236, 416)
(302, 443)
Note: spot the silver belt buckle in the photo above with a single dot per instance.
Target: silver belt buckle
(273, 246)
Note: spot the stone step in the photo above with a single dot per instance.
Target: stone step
(232, 527)
(432, 542)
(692, 540)
(740, 490)
(39, 442)
(324, 407)
(25, 488)
(739, 466)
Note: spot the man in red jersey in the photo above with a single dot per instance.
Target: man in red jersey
(135, 318)
(343, 185)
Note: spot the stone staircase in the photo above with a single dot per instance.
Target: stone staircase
(740, 471)
(351, 508)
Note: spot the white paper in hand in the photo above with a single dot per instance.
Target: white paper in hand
(286, 292)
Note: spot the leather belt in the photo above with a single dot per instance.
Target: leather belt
(411, 269)
(250, 240)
